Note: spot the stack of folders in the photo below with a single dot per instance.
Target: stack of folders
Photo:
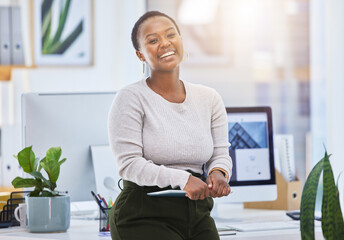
(11, 39)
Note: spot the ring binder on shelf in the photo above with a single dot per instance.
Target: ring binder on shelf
(16, 37)
(5, 36)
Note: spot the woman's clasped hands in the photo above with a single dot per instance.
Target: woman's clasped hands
(216, 186)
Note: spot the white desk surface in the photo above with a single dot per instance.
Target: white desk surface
(88, 229)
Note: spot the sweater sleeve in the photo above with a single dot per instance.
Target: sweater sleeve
(219, 132)
(125, 124)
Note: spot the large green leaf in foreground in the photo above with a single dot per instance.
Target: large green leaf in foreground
(332, 219)
(309, 194)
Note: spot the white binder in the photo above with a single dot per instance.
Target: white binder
(17, 50)
(5, 36)
(285, 145)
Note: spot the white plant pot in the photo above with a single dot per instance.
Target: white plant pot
(48, 214)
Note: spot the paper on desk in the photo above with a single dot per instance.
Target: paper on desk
(104, 234)
(21, 238)
(226, 232)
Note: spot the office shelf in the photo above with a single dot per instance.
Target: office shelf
(6, 71)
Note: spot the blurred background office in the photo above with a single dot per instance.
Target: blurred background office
(287, 54)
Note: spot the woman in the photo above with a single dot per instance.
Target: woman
(165, 134)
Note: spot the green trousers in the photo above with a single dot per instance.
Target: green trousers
(137, 216)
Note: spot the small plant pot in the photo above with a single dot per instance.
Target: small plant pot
(48, 214)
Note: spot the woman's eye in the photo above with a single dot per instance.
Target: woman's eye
(153, 41)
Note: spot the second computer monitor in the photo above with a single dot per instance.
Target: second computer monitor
(251, 136)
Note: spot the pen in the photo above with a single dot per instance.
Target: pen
(99, 202)
(104, 201)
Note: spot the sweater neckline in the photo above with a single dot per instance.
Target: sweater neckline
(165, 100)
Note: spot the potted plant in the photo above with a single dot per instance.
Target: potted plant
(331, 215)
(47, 210)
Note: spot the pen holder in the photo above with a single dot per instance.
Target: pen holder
(104, 223)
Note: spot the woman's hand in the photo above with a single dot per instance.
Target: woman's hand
(217, 184)
(196, 189)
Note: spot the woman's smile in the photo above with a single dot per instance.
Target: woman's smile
(167, 54)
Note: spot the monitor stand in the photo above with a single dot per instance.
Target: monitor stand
(222, 212)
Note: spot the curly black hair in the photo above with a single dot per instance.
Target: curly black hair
(143, 18)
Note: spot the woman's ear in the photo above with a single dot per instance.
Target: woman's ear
(140, 56)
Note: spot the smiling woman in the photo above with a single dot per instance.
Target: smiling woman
(160, 44)
(158, 41)
(166, 134)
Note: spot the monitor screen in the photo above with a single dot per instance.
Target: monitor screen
(75, 122)
(251, 137)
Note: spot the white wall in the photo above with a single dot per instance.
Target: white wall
(115, 65)
(327, 61)
(335, 82)
(335, 88)
(318, 80)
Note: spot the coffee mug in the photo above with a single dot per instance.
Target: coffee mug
(21, 209)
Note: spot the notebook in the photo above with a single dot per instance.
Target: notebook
(168, 193)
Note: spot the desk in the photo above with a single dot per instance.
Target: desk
(88, 229)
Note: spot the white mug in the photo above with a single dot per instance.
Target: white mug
(22, 214)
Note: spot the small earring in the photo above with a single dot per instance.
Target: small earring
(143, 67)
(186, 55)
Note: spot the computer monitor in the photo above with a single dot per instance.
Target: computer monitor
(252, 152)
(75, 122)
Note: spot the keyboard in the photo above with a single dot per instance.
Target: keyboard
(263, 226)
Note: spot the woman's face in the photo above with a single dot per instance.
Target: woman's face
(160, 44)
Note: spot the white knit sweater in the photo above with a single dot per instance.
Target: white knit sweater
(155, 141)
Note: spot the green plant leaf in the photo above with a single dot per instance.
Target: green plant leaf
(62, 22)
(61, 47)
(35, 192)
(35, 164)
(27, 159)
(40, 176)
(46, 16)
(308, 198)
(47, 194)
(19, 182)
(39, 165)
(53, 170)
(340, 174)
(45, 7)
(332, 219)
(53, 154)
(62, 161)
(46, 30)
(51, 165)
